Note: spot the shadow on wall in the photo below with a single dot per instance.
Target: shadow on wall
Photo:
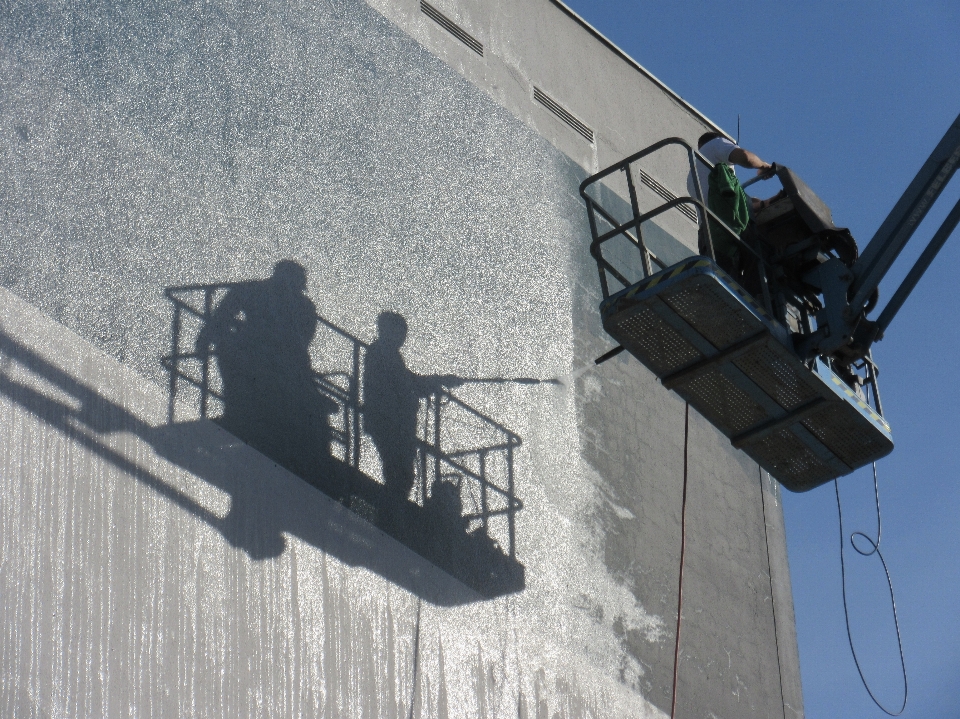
(241, 355)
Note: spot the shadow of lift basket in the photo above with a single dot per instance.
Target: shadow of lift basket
(708, 340)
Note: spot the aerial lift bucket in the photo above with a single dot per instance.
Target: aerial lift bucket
(709, 341)
(715, 345)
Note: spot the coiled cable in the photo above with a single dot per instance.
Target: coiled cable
(874, 549)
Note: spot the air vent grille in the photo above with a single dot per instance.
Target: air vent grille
(667, 195)
(451, 27)
(561, 112)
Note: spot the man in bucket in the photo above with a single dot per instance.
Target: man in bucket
(728, 201)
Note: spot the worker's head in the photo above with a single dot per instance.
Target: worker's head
(291, 274)
(391, 329)
(706, 137)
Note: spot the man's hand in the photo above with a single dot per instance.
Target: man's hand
(766, 171)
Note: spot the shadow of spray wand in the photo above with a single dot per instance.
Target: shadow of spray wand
(509, 380)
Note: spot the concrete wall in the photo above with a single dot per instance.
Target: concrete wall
(257, 260)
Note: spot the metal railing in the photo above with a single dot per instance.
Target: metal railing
(597, 214)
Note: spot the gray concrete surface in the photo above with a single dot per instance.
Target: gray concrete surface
(256, 259)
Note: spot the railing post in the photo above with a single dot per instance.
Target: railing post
(764, 281)
(355, 408)
(423, 448)
(205, 371)
(175, 357)
(647, 270)
(872, 374)
(703, 220)
(604, 288)
(436, 440)
(511, 528)
(484, 510)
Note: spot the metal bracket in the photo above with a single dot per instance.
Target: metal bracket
(797, 415)
(707, 363)
(834, 326)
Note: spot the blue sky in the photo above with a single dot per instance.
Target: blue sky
(853, 96)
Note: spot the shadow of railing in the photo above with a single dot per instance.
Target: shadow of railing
(461, 512)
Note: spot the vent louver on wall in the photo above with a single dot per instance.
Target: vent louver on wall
(557, 109)
(451, 27)
(667, 195)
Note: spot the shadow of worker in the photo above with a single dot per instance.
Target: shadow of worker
(260, 334)
(430, 518)
(392, 394)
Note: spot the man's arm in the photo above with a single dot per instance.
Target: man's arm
(745, 158)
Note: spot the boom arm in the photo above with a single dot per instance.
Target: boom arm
(916, 272)
(903, 220)
(843, 331)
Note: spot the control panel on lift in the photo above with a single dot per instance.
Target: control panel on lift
(778, 358)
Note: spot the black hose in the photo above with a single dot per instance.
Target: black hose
(874, 549)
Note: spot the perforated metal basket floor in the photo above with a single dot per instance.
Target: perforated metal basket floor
(709, 341)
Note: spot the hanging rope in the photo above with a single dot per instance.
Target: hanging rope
(874, 549)
(683, 546)
(773, 600)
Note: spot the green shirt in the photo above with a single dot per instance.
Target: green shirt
(727, 200)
